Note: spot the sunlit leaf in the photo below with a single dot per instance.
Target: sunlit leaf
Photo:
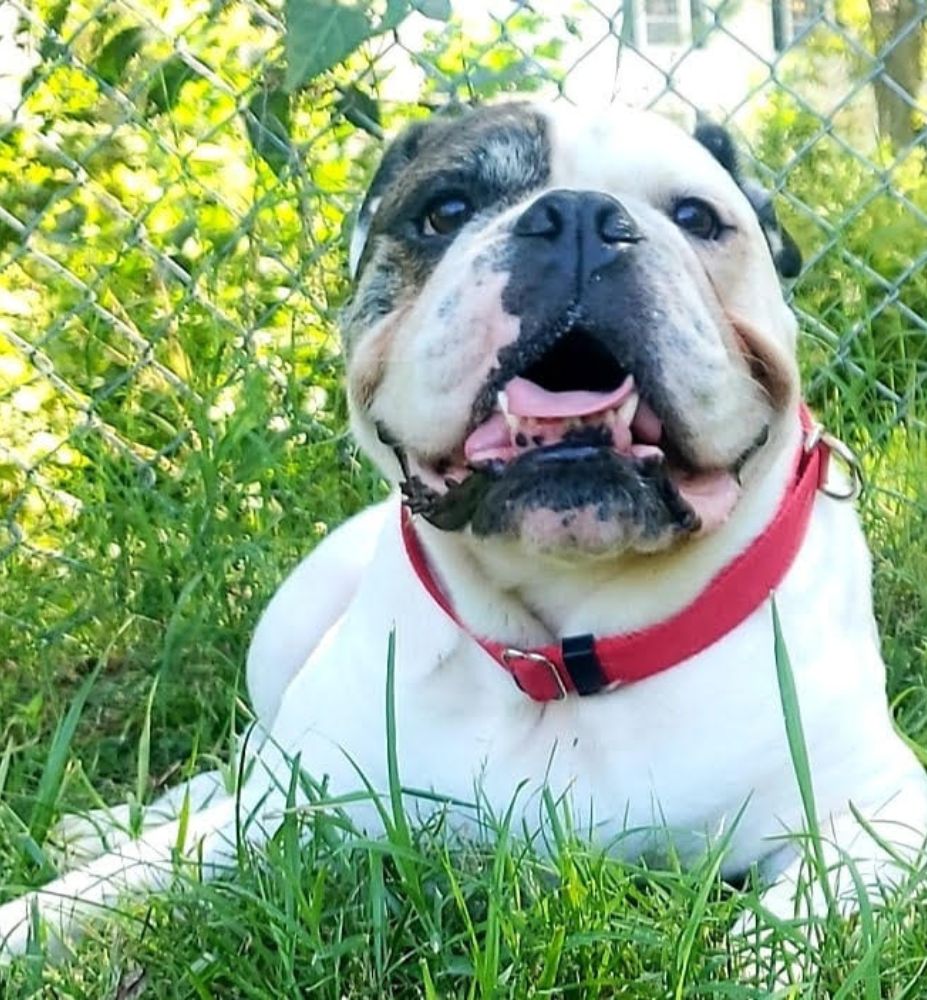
(437, 10)
(268, 128)
(167, 82)
(321, 34)
(110, 64)
(361, 110)
(396, 12)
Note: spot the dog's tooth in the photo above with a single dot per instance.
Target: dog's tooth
(621, 437)
(628, 408)
(513, 421)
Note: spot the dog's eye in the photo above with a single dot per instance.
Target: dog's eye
(445, 215)
(698, 218)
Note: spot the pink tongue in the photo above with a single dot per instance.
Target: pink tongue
(525, 399)
(490, 440)
(712, 495)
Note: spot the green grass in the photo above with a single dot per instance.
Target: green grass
(125, 620)
(124, 674)
(412, 914)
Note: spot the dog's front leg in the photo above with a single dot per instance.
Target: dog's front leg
(872, 853)
(863, 849)
(80, 837)
(308, 603)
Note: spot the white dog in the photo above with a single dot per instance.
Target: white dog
(569, 348)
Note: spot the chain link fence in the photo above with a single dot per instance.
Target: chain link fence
(175, 181)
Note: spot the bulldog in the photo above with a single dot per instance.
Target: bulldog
(569, 350)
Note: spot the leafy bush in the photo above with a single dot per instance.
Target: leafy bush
(169, 378)
(860, 220)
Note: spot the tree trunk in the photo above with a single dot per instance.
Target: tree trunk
(898, 84)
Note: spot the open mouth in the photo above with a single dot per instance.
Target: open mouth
(575, 391)
(574, 403)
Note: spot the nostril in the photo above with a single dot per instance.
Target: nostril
(553, 221)
(614, 225)
(543, 218)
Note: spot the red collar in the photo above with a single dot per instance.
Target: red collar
(585, 664)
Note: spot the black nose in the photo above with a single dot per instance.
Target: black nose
(586, 229)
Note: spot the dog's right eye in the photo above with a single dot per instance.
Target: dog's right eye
(446, 215)
(698, 218)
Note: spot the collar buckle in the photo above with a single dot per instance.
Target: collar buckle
(816, 437)
(511, 653)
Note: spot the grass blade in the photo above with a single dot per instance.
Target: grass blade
(46, 798)
(400, 823)
(142, 771)
(798, 750)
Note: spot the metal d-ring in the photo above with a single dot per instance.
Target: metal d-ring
(520, 654)
(844, 454)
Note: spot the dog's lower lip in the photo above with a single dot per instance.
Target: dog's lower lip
(569, 451)
(707, 497)
(754, 447)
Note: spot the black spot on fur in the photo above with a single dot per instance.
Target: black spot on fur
(717, 140)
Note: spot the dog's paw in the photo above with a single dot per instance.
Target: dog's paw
(15, 925)
(80, 837)
(26, 925)
(772, 955)
(23, 928)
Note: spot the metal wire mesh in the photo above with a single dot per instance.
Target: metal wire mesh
(171, 244)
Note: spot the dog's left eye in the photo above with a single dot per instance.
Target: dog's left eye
(444, 216)
(698, 218)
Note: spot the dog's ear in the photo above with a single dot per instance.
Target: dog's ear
(784, 249)
(399, 154)
(785, 252)
(718, 142)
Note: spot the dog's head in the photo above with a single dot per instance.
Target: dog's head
(568, 329)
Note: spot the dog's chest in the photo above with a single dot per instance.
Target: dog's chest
(682, 752)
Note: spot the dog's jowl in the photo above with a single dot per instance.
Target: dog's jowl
(569, 351)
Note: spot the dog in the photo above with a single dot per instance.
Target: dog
(569, 350)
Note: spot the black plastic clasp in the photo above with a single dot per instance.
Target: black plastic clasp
(582, 664)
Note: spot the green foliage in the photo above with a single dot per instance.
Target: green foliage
(323, 33)
(320, 35)
(860, 223)
(468, 68)
(173, 426)
(169, 376)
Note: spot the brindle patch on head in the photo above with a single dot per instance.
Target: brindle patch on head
(491, 156)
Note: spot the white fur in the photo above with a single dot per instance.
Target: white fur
(670, 761)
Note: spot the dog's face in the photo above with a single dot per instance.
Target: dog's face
(569, 329)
